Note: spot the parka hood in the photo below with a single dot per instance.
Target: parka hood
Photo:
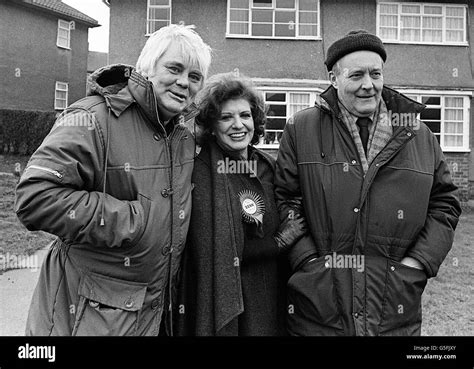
(110, 82)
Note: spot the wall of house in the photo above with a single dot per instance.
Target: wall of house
(298, 59)
(409, 66)
(31, 50)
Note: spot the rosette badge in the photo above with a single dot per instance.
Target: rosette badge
(252, 207)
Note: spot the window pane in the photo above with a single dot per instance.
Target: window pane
(287, 4)
(433, 9)
(411, 9)
(60, 104)
(455, 11)
(64, 24)
(262, 16)
(455, 23)
(453, 141)
(388, 21)
(273, 137)
(431, 100)
(308, 30)
(241, 4)
(275, 96)
(63, 34)
(160, 2)
(454, 102)
(435, 127)
(239, 28)
(284, 17)
(159, 14)
(276, 111)
(262, 3)
(308, 17)
(262, 30)
(454, 36)
(239, 15)
(389, 33)
(433, 23)
(275, 123)
(285, 30)
(61, 95)
(411, 22)
(431, 114)
(298, 102)
(301, 99)
(410, 35)
(156, 25)
(308, 4)
(453, 127)
(432, 36)
(453, 114)
(388, 8)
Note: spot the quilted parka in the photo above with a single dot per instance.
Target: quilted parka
(115, 188)
(347, 277)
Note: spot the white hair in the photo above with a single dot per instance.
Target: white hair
(193, 48)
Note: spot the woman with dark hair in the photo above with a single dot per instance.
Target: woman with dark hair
(234, 276)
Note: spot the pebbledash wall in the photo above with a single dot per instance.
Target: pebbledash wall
(31, 62)
(423, 71)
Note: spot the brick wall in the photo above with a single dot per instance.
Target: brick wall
(459, 167)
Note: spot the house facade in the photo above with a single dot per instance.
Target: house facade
(43, 58)
(282, 45)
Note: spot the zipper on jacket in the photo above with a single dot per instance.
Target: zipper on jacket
(170, 192)
(51, 171)
(170, 261)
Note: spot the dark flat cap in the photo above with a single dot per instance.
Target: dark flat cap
(354, 41)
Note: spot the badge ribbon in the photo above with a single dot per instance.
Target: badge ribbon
(252, 208)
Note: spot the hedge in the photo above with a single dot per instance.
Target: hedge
(22, 131)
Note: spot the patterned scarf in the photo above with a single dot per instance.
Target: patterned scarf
(380, 132)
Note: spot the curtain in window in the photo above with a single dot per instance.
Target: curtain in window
(453, 122)
(410, 23)
(298, 101)
(388, 21)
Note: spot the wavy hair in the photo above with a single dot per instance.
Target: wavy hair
(194, 50)
(221, 88)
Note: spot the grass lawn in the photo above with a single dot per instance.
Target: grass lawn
(447, 305)
(448, 309)
(15, 239)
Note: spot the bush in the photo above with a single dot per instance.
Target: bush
(22, 131)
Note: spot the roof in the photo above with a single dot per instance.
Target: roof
(58, 7)
(96, 59)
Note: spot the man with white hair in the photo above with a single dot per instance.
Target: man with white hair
(117, 193)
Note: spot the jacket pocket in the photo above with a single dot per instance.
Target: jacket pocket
(401, 308)
(108, 306)
(312, 299)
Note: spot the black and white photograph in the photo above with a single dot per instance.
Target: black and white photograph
(236, 184)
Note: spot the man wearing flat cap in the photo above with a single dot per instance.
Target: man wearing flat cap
(376, 192)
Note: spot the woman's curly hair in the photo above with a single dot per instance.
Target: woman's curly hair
(221, 88)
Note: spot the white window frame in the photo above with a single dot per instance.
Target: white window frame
(61, 87)
(422, 5)
(465, 95)
(148, 20)
(297, 23)
(287, 91)
(64, 26)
